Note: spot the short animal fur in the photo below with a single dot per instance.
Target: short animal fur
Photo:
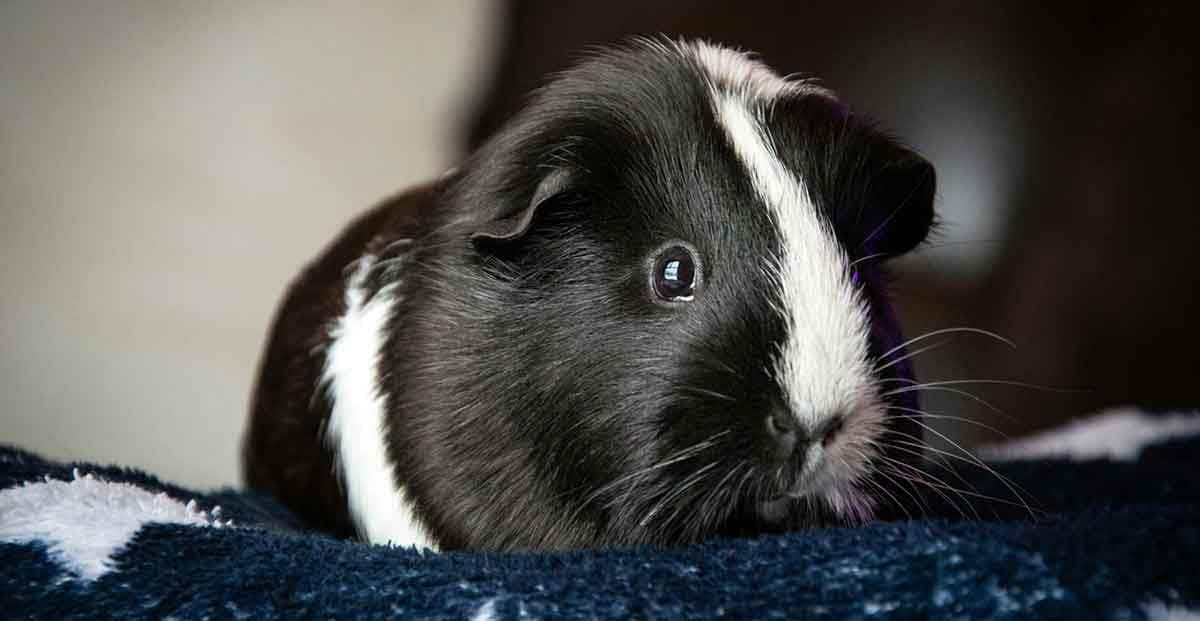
(485, 362)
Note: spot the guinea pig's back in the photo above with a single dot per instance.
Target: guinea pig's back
(284, 451)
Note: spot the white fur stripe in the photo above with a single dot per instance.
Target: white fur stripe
(356, 431)
(823, 365)
(732, 70)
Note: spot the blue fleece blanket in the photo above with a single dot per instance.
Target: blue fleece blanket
(1112, 540)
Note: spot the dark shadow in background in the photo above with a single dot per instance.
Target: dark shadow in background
(1073, 127)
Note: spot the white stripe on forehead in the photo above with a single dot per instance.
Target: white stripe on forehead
(731, 70)
(822, 365)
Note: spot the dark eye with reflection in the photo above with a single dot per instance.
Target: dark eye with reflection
(675, 274)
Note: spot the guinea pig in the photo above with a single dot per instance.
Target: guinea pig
(651, 310)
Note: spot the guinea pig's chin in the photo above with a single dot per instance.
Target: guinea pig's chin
(841, 498)
(838, 479)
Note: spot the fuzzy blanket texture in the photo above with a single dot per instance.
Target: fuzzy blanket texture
(1116, 536)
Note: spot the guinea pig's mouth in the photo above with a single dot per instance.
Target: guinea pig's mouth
(818, 496)
(834, 507)
(810, 487)
(775, 510)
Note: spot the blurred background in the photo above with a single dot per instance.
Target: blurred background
(167, 167)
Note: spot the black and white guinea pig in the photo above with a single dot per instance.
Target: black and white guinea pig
(650, 310)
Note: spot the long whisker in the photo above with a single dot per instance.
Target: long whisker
(674, 458)
(976, 398)
(1000, 382)
(956, 329)
(706, 392)
(918, 477)
(715, 497)
(961, 419)
(1012, 487)
(973, 492)
(680, 456)
(715, 362)
(867, 258)
(879, 486)
(926, 453)
(883, 489)
(911, 354)
(878, 229)
(930, 475)
(687, 483)
(940, 463)
(720, 486)
(977, 495)
(941, 452)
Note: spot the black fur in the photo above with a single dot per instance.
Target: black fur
(536, 387)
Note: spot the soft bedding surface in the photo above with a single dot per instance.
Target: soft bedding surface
(1116, 535)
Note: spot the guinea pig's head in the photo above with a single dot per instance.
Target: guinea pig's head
(674, 296)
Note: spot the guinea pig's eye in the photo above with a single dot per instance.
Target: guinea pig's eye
(675, 274)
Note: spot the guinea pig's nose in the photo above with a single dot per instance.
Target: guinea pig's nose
(784, 430)
(787, 433)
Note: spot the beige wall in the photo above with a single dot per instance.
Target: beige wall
(165, 167)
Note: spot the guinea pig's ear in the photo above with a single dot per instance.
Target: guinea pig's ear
(900, 188)
(515, 225)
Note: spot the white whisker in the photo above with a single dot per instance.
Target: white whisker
(1000, 382)
(919, 476)
(919, 451)
(963, 393)
(957, 329)
(867, 258)
(961, 419)
(1012, 487)
(883, 489)
(911, 354)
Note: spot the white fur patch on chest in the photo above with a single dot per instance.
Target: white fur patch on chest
(85, 521)
(823, 366)
(356, 431)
